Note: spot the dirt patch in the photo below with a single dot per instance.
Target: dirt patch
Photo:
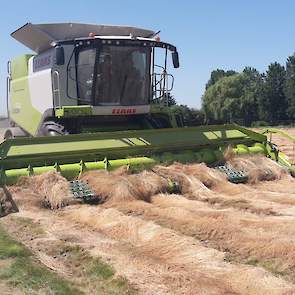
(57, 252)
(228, 231)
(181, 254)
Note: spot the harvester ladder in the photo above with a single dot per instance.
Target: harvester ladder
(284, 134)
(56, 87)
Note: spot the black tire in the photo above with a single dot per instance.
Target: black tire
(8, 134)
(51, 128)
(14, 132)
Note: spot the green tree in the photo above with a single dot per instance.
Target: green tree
(197, 117)
(191, 117)
(289, 88)
(252, 90)
(233, 98)
(167, 99)
(220, 101)
(218, 74)
(184, 111)
(273, 103)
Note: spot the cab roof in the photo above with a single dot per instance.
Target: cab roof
(39, 37)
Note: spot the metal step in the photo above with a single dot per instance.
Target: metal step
(233, 175)
(81, 190)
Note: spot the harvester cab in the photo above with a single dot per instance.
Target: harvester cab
(88, 78)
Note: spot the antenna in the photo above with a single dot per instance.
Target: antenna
(154, 34)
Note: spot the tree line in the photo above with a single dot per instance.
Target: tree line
(249, 98)
(190, 116)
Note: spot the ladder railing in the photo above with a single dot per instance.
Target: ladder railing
(284, 134)
(56, 88)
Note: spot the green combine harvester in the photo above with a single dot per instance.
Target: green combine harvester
(94, 97)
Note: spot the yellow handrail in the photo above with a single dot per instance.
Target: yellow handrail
(283, 134)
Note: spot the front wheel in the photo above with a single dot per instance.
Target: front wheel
(14, 132)
(51, 128)
(7, 135)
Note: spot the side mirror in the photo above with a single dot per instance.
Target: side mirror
(59, 55)
(175, 59)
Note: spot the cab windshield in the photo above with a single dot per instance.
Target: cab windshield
(114, 75)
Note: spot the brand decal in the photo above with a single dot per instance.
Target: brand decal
(42, 62)
(123, 111)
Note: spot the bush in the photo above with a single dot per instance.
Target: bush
(260, 124)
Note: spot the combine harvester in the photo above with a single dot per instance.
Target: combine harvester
(92, 98)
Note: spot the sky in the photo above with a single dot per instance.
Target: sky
(211, 34)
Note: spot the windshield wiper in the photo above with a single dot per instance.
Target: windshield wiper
(123, 88)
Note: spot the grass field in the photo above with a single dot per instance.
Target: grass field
(24, 272)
